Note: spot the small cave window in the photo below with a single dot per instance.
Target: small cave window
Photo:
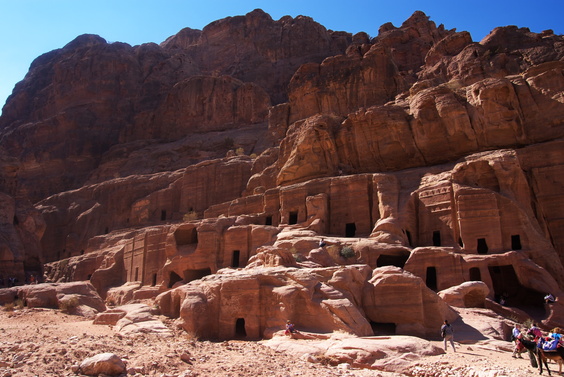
(350, 230)
(391, 260)
(235, 258)
(89, 277)
(431, 278)
(437, 238)
(240, 331)
(516, 242)
(482, 247)
(163, 215)
(107, 230)
(460, 243)
(268, 220)
(475, 274)
(293, 218)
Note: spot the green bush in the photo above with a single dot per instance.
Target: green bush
(192, 215)
(68, 304)
(347, 252)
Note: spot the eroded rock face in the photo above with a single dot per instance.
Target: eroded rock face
(21, 229)
(101, 95)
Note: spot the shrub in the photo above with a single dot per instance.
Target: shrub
(19, 304)
(347, 252)
(192, 215)
(228, 142)
(9, 307)
(66, 305)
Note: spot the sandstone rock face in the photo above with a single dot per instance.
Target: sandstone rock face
(394, 296)
(21, 229)
(260, 170)
(257, 302)
(222, 78)
(68, 296)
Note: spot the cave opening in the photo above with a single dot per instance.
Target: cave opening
(506, 285)
(173, 279)
(431, 278)
(383, 328)
(240, 331)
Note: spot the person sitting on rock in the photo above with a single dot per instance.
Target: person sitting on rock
(322, 243)
(549, 298)
(289, 328)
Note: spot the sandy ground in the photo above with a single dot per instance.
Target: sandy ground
(45, 342)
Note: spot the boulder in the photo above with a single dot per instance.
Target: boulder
(102, 364)
(470, 294)
(70, 297)
(394, 296)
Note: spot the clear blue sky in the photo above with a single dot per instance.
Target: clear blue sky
(29, 28)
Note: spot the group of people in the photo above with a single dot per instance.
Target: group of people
(13, 281)
(550, 341)
(8, 282)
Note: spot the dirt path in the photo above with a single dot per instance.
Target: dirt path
(45, 342)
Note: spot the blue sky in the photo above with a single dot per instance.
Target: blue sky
(29, 28)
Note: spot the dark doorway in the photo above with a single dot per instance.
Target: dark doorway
(515, 242)
(437, 238)
(460, 243)
(381, 328)
(431, 278)
(475, 274)
(154, 282)
(163, 215)
(136, 274)
(16, 221)
(268, 220)
(235, 259)
(293, 219)
(506, 283)
(408, 234)
(173, 279)
(350, 230)
(482, 247)
(391, 260)
(240, 331)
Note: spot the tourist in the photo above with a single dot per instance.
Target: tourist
(447, 333)
(322, 243)
(549, 298)
(289, 328)
(535, 331)
(515, 336)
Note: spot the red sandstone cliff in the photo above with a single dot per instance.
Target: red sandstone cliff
(417, 148)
